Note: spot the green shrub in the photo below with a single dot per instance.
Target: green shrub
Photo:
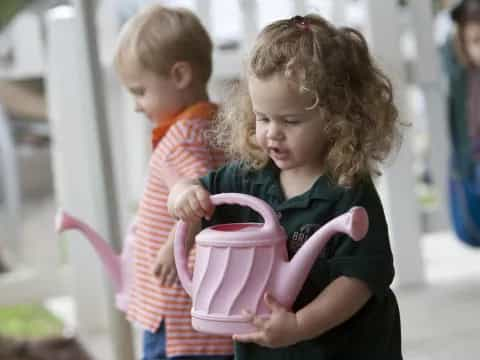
(28, 321)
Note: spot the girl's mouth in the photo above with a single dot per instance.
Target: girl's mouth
(277, 153)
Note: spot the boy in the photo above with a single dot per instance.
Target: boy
(164, 59)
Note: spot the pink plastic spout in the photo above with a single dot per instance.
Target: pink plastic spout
(292, 276)
(111, 261)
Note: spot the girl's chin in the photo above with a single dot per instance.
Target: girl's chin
(281, 164)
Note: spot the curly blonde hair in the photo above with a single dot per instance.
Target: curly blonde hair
(361, 122)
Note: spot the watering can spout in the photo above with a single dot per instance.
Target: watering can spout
(354, 223)
(111, 261)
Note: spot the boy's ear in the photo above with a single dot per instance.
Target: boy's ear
(182, 74)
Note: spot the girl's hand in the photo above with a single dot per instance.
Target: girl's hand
(164, 266)
(190, 202)
(278, 329)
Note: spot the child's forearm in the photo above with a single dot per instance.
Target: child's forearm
(193, 230)
(337, 303)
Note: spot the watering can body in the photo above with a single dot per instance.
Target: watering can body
(237, 263)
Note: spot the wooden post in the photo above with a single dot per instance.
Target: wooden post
(300, 7)
(250, 22)
(11, 190)
(83, 166)
(338, 12)
(428, 76)
(204, 12)
(397, 184)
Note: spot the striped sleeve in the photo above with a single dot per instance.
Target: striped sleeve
(187, 152)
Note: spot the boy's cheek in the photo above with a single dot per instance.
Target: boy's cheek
(474, 54)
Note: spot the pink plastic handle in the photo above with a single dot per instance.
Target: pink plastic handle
(180, 252)
(260, 206)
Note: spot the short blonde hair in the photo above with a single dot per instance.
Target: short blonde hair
(158, 37)
(360, 119)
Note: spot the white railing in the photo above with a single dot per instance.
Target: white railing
(87, 189)
(30, 278)
(10, 191)
(22, 47)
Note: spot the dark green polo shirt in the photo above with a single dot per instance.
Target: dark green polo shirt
(374, 331)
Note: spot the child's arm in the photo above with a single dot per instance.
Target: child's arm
(188, 201)
(164, 265)
(337, 303)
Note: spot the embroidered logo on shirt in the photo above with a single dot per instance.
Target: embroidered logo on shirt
(299, 237)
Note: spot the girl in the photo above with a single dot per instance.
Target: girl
(306, 129)
(461, 55)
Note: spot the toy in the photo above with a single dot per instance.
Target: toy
(237, 263)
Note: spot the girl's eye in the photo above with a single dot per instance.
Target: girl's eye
(292, 121)
(261, 118)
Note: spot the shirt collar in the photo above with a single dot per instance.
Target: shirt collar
(323, 188)
(201, 110)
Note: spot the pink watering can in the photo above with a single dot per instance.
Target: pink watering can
(237, 263)
(118, 266)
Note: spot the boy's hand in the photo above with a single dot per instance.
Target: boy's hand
(164, 266)
(191, 203)
(278, 329)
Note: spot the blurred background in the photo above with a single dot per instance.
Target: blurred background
(69, 138)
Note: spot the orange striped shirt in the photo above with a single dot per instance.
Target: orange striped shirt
(182, 151)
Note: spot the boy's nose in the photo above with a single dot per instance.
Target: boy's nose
(138, 107)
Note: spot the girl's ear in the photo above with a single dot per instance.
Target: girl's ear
(182, 75)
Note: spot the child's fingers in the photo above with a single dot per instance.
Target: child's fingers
(248, 315)
(260, 321)
(156, 268)
(166, 277)
(272, 303)
(196, 207)
(257, 321)
(172, 208)
(255, 337)
(205, 203)
(160, 275)
(171, 278)
(185, 214)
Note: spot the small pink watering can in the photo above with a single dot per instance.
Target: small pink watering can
(117, 266)
(237, 263)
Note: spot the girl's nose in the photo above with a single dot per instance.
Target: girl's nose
(274, 131)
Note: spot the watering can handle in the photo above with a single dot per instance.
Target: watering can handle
(260, 206)
(181, 259)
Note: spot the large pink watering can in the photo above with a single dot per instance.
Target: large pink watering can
(237, 263)
(118, 266)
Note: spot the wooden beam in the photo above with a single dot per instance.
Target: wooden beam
(83, 166)
(428, 77)
(398, 182)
